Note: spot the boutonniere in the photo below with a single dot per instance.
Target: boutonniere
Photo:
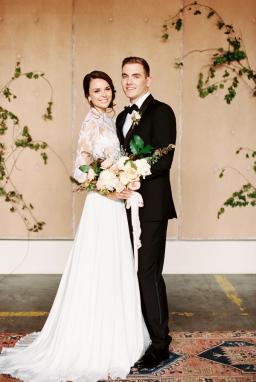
(136, 117)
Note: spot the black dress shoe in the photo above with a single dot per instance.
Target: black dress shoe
(152, 359)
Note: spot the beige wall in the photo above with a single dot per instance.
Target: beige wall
(66, 39)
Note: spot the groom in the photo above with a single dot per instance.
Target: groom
(157, 127)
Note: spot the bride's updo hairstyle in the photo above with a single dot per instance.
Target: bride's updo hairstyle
(94, 75)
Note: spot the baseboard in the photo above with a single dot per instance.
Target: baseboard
(182, 257)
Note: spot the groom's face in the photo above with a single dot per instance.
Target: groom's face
(135, 83)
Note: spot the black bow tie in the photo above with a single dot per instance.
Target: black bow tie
(129, 109)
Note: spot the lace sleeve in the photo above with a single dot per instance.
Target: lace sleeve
(85, 148)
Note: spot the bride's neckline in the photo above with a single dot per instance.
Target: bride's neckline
(98, 114)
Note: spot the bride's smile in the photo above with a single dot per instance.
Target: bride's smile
(100, 94)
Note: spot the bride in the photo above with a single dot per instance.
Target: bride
(95, 329)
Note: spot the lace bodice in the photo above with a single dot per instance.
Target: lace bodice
(97, 139)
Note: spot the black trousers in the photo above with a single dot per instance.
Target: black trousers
(151, 282)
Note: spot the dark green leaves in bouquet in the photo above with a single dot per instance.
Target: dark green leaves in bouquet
(84, 168)
(137, 146)
(97, 169)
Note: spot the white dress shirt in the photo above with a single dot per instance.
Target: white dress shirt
(128, 121)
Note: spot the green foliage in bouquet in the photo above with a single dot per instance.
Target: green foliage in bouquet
(21, 140)
(95, 166)
(138, 148)
(126, 172)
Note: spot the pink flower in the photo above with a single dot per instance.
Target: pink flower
(106, 163)
(133, 186)
(129, 175)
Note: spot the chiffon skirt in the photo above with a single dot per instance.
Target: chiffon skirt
(95, 329)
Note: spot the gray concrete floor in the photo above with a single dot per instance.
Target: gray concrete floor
(196, 302)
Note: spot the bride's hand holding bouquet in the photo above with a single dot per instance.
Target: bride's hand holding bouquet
(117, 179)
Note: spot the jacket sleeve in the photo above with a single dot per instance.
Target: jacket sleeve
(164, 133)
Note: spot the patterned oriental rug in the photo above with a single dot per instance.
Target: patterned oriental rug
(195, 357)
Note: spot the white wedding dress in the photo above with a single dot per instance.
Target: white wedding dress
(95, 329)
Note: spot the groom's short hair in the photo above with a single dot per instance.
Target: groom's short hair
(137, 60)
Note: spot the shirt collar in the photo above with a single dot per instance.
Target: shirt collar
(140, 101)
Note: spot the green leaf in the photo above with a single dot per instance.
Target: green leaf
(220, 24)
(226, 74)
(147, 149)
(84, 168)
(221, 173)
(97, 169)
(43, 145)
(178, 24)
(29, 75)
(221, 211)
(136, 144)
(138, 140)
(17, 72)
(210, 14)
(134, 149)
(44, 157)
(234, 43)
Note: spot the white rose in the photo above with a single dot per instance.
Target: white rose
(121, 162)
(107, 180)
(91, 174)
(135, 116)
(143, 167)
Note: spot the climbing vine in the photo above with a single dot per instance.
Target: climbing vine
(21, 139)
(228, 66)
(246, 195)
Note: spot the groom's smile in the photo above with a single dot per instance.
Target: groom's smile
(135, 83)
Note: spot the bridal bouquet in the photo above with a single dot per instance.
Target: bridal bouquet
(107, 176)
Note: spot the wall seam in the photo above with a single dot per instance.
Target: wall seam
(73, 108)
(180, 124)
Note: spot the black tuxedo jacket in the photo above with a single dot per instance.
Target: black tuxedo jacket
(157, 127)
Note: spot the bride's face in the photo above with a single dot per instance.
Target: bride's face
(100, 94)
